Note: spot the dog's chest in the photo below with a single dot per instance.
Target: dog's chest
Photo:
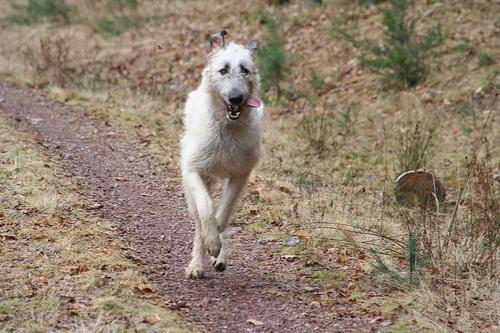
(228, 153)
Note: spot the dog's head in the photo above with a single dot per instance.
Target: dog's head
(233, 76)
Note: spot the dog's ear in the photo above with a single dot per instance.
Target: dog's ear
(217, 41)
(252, 46)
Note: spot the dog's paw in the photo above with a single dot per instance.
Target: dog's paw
(194, 271)
(219, 265)
(213, 245)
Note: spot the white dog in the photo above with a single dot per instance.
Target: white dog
(222, 141)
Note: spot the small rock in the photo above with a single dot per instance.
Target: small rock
(96, 206)
(152, 319)
(293, 241)
(255, 322)
(427, 97)
(315, 304)
(4, 317)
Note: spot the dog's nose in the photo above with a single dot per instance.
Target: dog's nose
(235, 97)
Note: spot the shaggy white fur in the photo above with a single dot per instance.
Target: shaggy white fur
(222, 141)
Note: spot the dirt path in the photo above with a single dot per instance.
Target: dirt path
(249, 297)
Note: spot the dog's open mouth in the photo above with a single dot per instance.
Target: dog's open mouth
(233, 111)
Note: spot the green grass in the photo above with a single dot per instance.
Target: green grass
(485, 60)
(116, 25)
(37, 10)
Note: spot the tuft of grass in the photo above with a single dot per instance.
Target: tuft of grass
(320, 126)
(464, 45)
(480, 220)
(317, 129)
(414, 147)
(485, 60)
(316, 81)
(272, 57)
(402, 56)
(346, 120)
(50, 61)
(37, 10)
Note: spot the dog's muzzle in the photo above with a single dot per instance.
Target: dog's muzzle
(233, 111)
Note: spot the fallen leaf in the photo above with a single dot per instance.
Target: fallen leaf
(376, 319)
(266, 196)
(146, 289)
(4, 317)
(285, 190)
(79, 269)
(8, 237)
(295, 209)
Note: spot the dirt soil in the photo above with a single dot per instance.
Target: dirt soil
(260, 291)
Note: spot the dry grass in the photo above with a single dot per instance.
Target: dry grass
(63, 267)
(345, 181)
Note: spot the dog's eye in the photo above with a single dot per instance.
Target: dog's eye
(223, 71)
(244, 71)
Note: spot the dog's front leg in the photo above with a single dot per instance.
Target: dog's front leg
(232, 190)
(195, 267)
(206, 235)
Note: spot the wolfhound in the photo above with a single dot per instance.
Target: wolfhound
(221, 142)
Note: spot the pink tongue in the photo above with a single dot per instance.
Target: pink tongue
(254, 102)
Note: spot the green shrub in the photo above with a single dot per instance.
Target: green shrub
(272, 56)
(402, 56)
(37, 10)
